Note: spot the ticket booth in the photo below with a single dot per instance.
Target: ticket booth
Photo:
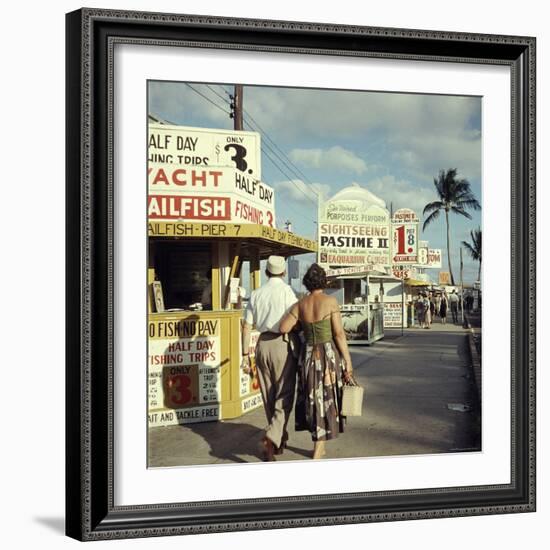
(196, 295)
(361, 297)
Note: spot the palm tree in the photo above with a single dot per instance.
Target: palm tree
(455, 196)
(474, 248)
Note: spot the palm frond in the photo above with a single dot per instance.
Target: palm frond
(469, 202)
(432, 217)
(458, 210)
(436, 205)
(472, 252)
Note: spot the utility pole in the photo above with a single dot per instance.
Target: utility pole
(461, 288)
(237, 108)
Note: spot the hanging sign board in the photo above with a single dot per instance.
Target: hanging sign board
(404, 242)
(203, 174)
(206, 148)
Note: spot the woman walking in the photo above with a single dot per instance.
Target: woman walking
(431, 306)
(443, 308)
(325, 362)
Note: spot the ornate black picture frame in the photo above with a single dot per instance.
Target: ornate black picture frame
(90, 510)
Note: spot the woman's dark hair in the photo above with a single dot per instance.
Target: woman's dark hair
(315, 278)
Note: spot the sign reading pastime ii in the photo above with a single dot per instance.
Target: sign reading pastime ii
(352, 235)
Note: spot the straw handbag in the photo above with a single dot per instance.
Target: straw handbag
(352, 398)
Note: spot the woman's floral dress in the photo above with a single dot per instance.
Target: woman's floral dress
(320, 385)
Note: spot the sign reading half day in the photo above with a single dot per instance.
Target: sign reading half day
(184, 370)
(205, 147)
(200, 174)
(404, 237)
(352, 235)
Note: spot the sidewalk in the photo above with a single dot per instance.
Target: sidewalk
(409, 382)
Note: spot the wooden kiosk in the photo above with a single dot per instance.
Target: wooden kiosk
(195, 343)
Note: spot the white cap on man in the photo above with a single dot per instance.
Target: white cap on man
(276, 265)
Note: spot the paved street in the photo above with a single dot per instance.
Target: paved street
(409, 381)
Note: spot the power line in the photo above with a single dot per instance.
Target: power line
(285, 174)
(296, 170)
(219, 95)
(208, 99)
(301, 214)
(288, 163)
(290, 178)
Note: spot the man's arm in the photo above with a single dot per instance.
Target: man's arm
(245, 336)
(247, 329)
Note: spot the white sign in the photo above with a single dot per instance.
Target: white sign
(252, 402)
(393, 314)
(423, 255)
(404, 237)
(183, 369)
(349, 235)
(356, 270)
(205, 147)
(405, 215)
(404, 271)
(204, 174)
(184, 416)
(434, 258)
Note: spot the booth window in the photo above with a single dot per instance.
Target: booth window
(352, 290)
(184, 270)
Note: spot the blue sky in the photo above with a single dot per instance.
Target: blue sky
(392, 144)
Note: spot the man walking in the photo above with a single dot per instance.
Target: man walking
(453, 300)
(276, 354)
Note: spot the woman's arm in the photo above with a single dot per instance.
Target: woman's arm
(290, 320)
(340, 339)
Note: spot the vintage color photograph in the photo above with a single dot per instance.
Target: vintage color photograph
(314, 273)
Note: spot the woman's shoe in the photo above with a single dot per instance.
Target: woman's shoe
(268, 450)
(279, 450)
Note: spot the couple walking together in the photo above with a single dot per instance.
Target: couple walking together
(321, 364)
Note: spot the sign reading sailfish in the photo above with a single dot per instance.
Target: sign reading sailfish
(354, 229)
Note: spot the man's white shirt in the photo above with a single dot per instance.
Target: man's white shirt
(269, 304)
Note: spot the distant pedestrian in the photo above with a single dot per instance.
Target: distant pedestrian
(437, 301)
(453, 300)
(420, 310)
(443, 306)
(432, 307)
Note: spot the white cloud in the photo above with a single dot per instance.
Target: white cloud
(337, 113)
(332, 159)
(401, 193)
(177, 102)
(298, 191)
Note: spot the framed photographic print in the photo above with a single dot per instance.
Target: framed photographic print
(260, 213)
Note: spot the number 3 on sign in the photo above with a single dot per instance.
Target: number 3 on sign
(178, 392)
